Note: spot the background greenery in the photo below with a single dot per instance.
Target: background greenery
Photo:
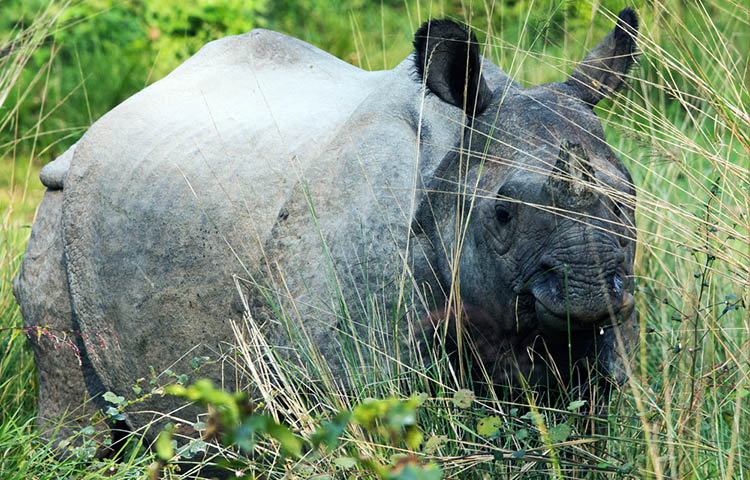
(682, 129)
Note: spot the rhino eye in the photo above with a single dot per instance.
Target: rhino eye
(619, 209)
(502, 213)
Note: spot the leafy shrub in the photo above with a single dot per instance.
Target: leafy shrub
(236, 422)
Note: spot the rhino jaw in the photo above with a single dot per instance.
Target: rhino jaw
(554, 322)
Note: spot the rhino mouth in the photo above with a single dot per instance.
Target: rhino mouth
(588, 308)
(553, 322)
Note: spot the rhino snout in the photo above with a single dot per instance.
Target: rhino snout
(553, 321)
(581, 302)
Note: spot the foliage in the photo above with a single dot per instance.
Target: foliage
(241, 426)
(103, 51)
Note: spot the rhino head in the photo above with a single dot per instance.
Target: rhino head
(532, 215)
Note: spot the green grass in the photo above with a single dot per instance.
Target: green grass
(682, 129)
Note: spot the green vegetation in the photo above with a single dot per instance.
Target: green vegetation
(681, 128)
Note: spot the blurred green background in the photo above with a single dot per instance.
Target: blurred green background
(103, 51)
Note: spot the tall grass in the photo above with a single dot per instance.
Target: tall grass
(682, 128)
(23, 453)
(18, 201)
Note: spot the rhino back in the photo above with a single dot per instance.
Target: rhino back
(260, 157)
(170, 192)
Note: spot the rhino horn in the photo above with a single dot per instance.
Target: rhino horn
(571, 177)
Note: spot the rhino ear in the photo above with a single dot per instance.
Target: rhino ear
(449, 64)
(605, 67)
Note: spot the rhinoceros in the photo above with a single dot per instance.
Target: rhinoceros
(266, 178)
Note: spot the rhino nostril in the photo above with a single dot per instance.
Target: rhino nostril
(548, 277)
(552, 283)
(617, 284)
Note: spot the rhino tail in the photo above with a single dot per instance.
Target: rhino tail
(53, 174)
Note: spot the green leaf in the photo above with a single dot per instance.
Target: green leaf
(328, 434)
(575, 405)
(433, 443)
(489, 425)
(345, 463)
(199, 426)
(421, 398)
(164, 447)
(88, 430)
(559, 433)
(413, 438)
(137, 390)
(182, 379)
(204, 392)
(417, 472)
(519, 453)
(289, 442)
(522, 434)
(401, 415)
(114, 413)
(463, 398)
(366, 412)
(243, 437)
(189, 450)
(195, 363)
(110, 397)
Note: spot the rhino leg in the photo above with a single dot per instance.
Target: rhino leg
(41, 290)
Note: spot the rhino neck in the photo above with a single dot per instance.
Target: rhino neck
(434, 224)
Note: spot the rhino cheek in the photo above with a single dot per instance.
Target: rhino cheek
(490, 281)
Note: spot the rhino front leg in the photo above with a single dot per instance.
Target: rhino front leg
(41, 290)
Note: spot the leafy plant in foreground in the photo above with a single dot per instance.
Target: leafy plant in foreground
(235, 423)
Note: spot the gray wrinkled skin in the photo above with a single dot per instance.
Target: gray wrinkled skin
(265, 159)
(41, 290)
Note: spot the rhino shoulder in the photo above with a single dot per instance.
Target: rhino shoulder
(496, 77)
